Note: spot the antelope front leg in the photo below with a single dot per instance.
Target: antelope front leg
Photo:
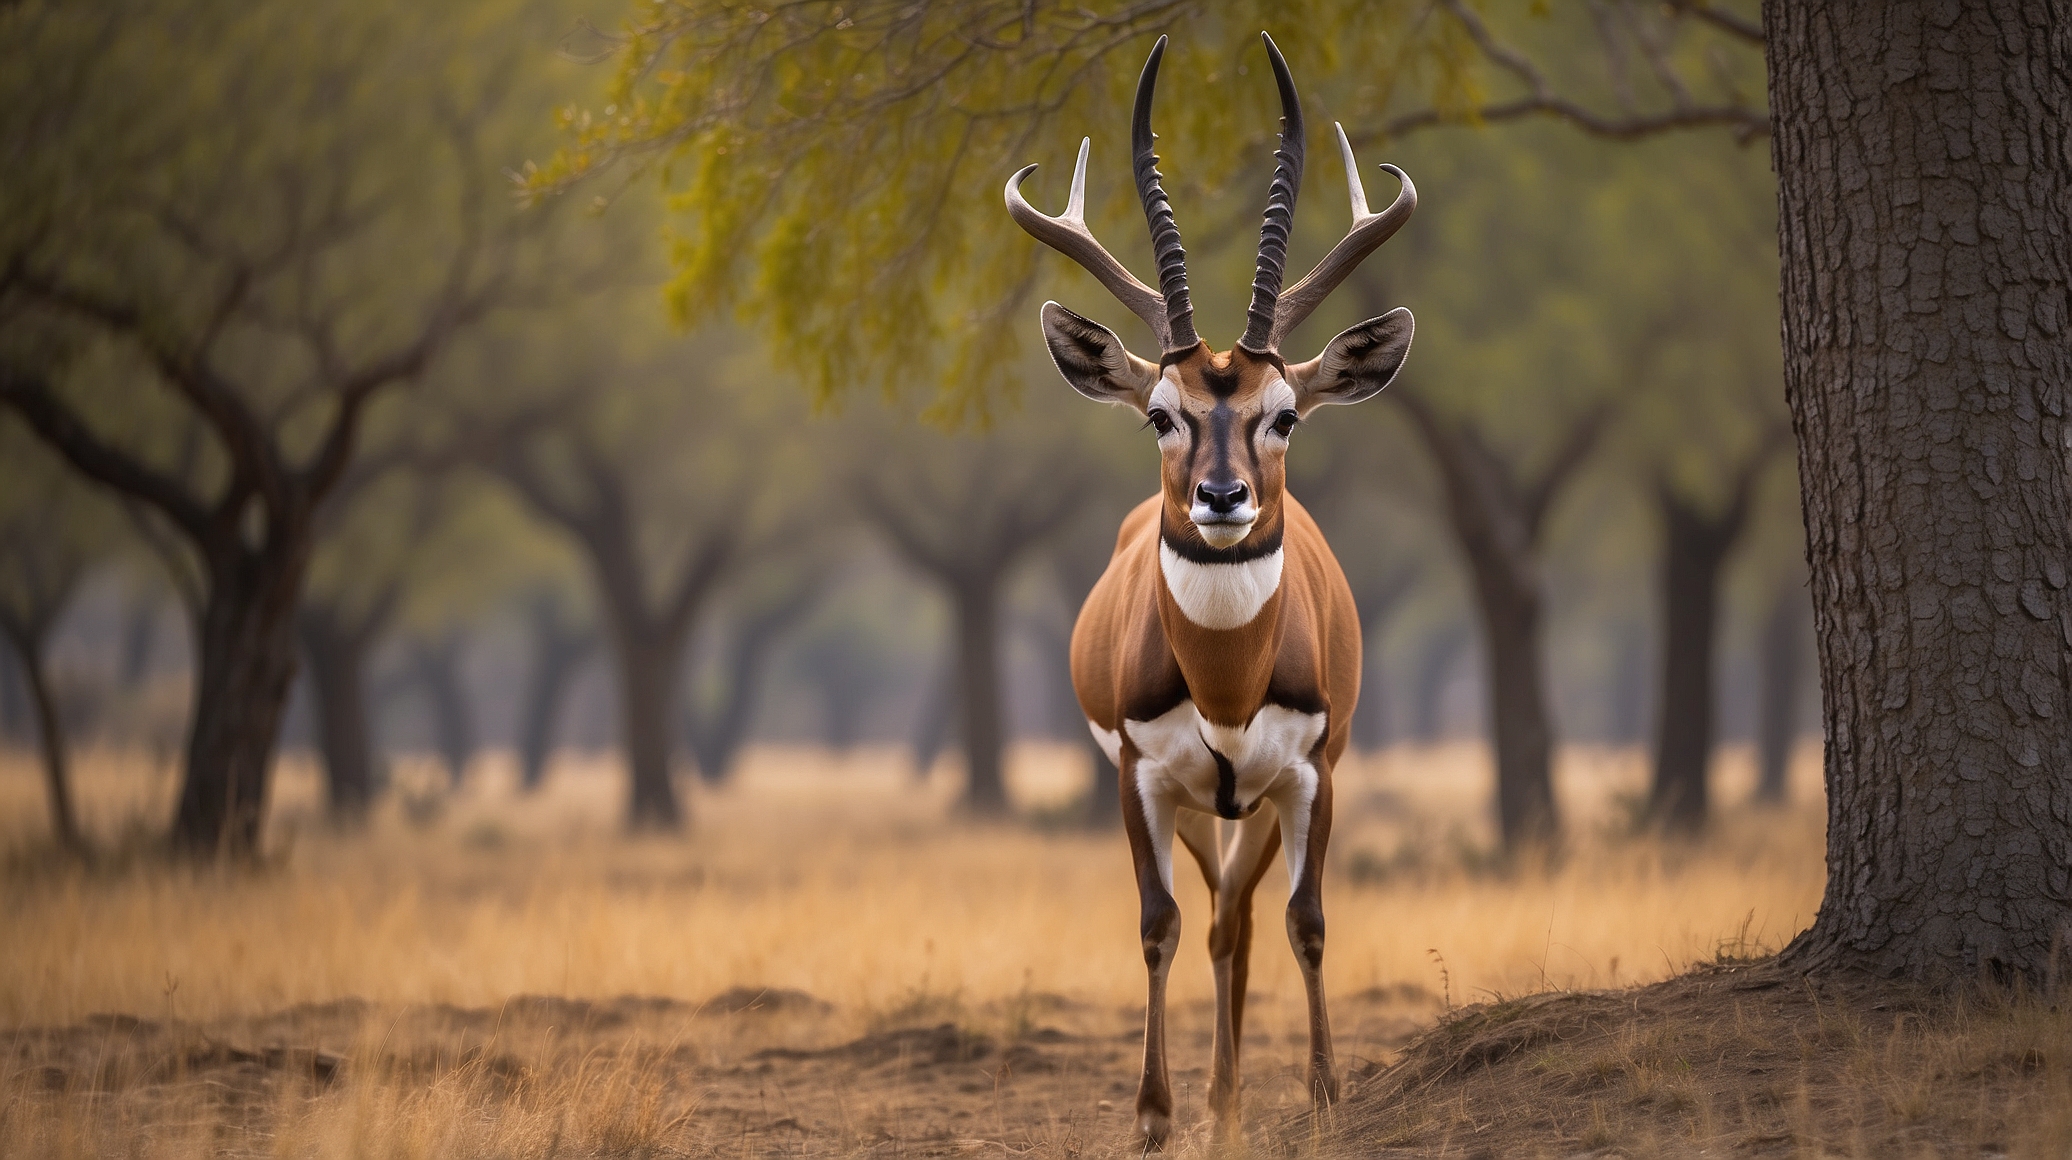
(1244, 860)
(1148, 817)
(1305, 810)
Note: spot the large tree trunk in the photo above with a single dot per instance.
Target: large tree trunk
(558, 653)
(245, 668)
(647, 680)
(1925, 196)
(1782, 666)
(1694, 550)
(337, 655)
(976, 602)
(28, 642)
(1518, 721)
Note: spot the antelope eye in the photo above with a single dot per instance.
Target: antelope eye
(1284, 423)
(1160, 421)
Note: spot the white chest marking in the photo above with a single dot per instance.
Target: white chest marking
(1177, 755)
(1220, 595)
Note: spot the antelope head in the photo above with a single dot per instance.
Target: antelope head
(1223, 418)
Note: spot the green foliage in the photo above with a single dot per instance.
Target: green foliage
(835, 170)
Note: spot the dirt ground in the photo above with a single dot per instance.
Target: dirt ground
(1732, 1060)
(747, 1073)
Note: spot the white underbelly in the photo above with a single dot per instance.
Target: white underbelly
(1178, 756)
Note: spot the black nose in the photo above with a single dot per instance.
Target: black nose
(1222, 498)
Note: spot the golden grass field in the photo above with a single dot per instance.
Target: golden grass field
(827, 963)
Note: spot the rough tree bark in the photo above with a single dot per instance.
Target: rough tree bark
(1925, 196)
(1695, 546)
(1497, 518)
(558, 652)
(1782, 669)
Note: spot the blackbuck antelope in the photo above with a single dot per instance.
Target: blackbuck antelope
(1218, 657)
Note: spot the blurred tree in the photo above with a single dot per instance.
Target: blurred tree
(845, 663)
(356, 586)
(51, 532)
(561, 643)
(663, 462)
(965, 512)
(1925, 193)
(437, 663)
(1498, 514)
(412, 554)
(266, 218)
(1695, 547)
(768, 603)
(935, 721)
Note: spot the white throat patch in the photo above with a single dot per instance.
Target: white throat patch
(1220, 595)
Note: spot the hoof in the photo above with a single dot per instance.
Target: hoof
(1153, 1130)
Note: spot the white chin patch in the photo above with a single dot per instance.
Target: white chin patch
(1223, 535)
(1220, 595)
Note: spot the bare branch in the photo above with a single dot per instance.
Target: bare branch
(1747, 30)
(1541, 100)
(62, 429)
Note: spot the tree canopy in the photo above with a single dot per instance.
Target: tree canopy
(835, 169)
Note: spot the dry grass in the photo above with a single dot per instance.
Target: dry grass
(926, 987)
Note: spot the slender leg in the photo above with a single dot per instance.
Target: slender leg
(1148, 819)
(1305, 808)
(1245, 858)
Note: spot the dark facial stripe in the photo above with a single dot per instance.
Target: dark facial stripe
(1193, 440)
(1252, 442)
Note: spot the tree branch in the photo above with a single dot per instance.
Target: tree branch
(1542, 100)
(1575, 447)
(63, 430)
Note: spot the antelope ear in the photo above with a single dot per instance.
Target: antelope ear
(1093, 360)
(1355, 365)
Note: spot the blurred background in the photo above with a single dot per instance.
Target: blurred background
(405, 396)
